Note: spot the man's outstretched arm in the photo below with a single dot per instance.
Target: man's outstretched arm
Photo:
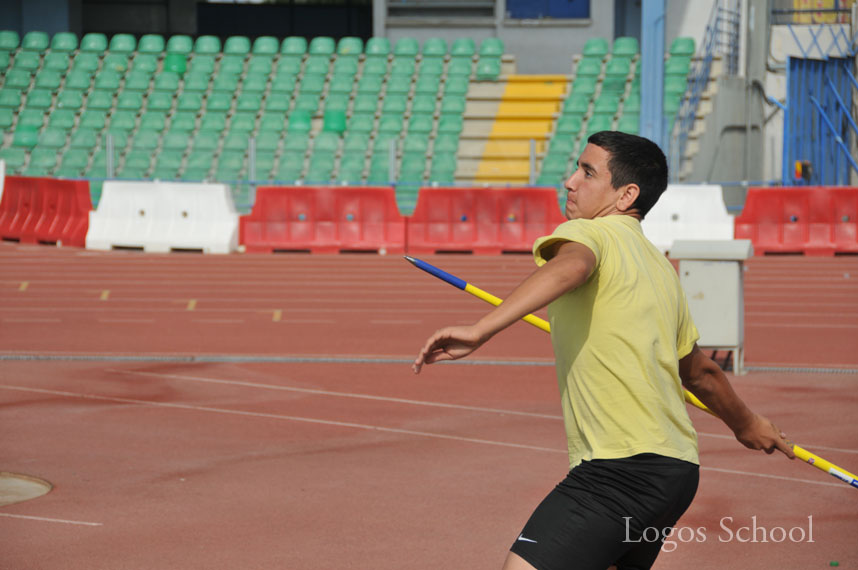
(570, 266)
(704, 378)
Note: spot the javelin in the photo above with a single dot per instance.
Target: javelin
(800, 452)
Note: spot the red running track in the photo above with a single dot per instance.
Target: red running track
(345, 459)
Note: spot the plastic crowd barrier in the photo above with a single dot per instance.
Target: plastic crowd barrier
(44, 210)
(323, 219)
(688, 212)
(482, 220)
(164, 216)
(809, 220)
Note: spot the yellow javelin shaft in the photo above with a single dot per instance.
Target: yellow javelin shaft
(800, 452)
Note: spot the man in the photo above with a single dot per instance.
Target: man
(625, 346)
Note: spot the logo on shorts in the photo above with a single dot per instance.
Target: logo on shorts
(522, 539)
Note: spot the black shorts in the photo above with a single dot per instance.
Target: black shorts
(608, 511)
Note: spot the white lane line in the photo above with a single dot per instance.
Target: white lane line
(126, 320)
(338, 394)
(33, 320)
(219, 321)
(318, 392)
(368, 427)
(396, 322)
(45, 519)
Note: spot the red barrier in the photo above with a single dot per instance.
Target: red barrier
(45, 210)
(808, 220)
(482, 220)
(323, 219)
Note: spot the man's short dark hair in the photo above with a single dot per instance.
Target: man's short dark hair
(634, 160)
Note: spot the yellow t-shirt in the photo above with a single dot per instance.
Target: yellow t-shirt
(617, 343)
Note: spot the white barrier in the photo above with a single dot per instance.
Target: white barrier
(164, 216)
(2, 176)
(688, 212)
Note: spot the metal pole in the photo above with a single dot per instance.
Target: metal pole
(109, 148)
(531, 178)
(652, 72)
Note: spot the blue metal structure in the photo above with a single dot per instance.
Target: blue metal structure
(652, 123)
(818, 124)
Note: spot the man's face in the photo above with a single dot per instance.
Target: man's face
(589, 191)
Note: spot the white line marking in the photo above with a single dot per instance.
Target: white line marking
(126, 320)
(396, 322)
(284, 417)
(370, 428)
(33, 320)
(45, 519)
(219, 321)
(339, 394)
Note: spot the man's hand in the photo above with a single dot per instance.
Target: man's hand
(449, 343)
(762, 434)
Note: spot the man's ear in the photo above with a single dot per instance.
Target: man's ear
(628, 194)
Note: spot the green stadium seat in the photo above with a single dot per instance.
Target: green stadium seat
(55, 61)
(596, 47)
(383, 140)
(334, 121)
(614, 84)
(137, 81)
(308, 102)
(206, 139)
(562, 144)
(393, 103)
(446, 143)
(203, 63)
(151, 43)
(122, 119)
(284, 83)
(460, 67)
(157, 100)
(491, 47)
(78, 80)
(180, 43)
(90, 119)
(403, 66)
(672, 102)
(367, 103)
(370, 83)
(588, 68)
(236, 140)
(443, 167)
(293, 45)
(231, 63)
(488, 69)
(626, 46)
(420, 123)
(153, 120)
(7, 117)
(175, 62)
(26, 61)
(433, 67)
(108, 80)
(450, 124)
(299, 122)
(35, 41)
(415, 143)
(345, 66)
(453, 104)
(85, 61)
(260, 64)
(361, 123)
(272, 121)
(675, 84)
(239, 45)
(351, 168)
(632, 104)
(207, 45)
(231, 159)
(618, 66)
(427, 85)
(317, 65)
(629, 123)
(213, 122)
(267, 140)
(137, 160)
(677, 65)
(413, 167)
(167, 81)
(9, 40)
(122, 43)
(31, 119)
(248, 101)
(53, 138)
(265, 45)
(14, 158)
(70, 99)
(463, 48)
(227, 82)
(682, 46)
(406, 46)
(577, 104)
(219, 101)
(42, 159)
(598, 123)
(146, 139)
(184, 121)
(312, 83)
(277, 102)
(399, 83)
(390, 123)
(17, 78)
(434, 47)
(377, 47)
(322, 45)
(39, 99)
(5, 60)
(326, 142)
(75, 159)
(84, 138)
(350, 46)
(337, 102)
(606, 104)
(296, 141)
(10, 98)
(456, 85)
(568, 125)
(243, 121)
(48, 79)
(254, 83)
(341, 84)
(375, 66)
(59, 118)
(584, 85)
(356, 142)
(64, 42)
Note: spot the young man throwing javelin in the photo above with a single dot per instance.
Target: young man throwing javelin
(625, 346)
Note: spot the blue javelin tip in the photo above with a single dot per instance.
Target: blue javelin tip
(439, 273)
